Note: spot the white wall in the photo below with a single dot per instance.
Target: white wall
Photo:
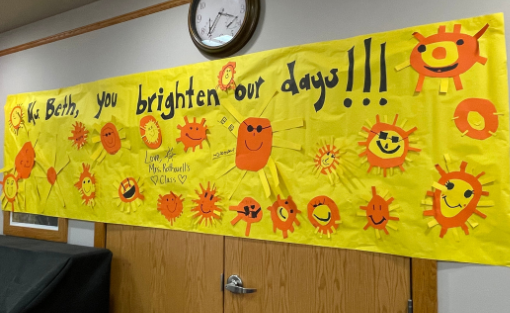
(161, 40)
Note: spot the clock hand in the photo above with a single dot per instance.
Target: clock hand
(213, 27)
(235, 18)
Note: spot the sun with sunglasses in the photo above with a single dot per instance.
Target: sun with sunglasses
(387, 145)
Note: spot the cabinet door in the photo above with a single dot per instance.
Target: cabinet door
(293, 278)
(155, 270)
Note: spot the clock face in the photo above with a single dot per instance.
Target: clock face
(218, 21)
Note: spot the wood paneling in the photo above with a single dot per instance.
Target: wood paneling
(95, 26)
(99, 235)
(424, 277)
(50, 235)
(155, 270)
(298, 278)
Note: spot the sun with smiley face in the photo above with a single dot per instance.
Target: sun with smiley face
(170, 206)
(387, 145)
(445, 55)
(324, 215)
(110, 138)
(207, 209)
(455, 199)
(87, 186)
(150, 132)
(377, 212)
(284, 215)
(80, 134)
(10, 190)
(226, 77)
(192, 133)
(16, 119)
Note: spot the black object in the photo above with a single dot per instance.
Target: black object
(43, 276)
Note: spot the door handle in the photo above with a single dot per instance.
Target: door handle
(235, 285)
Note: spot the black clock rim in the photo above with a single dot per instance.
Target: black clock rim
(240, 39)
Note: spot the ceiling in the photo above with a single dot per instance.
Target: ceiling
(16, 13)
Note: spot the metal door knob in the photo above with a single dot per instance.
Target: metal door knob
(235, 285)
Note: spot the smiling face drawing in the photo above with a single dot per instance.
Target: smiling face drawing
(87, 185)
(170, 206)
(129, 190)
(110, 138)
(25, 160)
(455, 199)
(254, 143)
(323, 214)
(387, 145)
(206, 209)
(378, 212)
(16, 119)
(476, 118)
(226, 77)
(10, 187)
(192, 134)
(150, 132)
(284, 215)
(446, 54)
(80, 134)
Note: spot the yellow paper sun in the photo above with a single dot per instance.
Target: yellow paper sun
(16, 119)
(129, 194)
(456, 199)
(110, 139)
(11, 192)
(50, 171)
(254, 144)
(86, 185)
(207, 209)
(328, 161)
(386, 145)
(226, 77)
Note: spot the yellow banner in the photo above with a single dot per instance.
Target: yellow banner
(394, 142)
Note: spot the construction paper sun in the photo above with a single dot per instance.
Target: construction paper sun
(16, 119)
(444, 55)
(110, 139)
(207, 208)
(455, 199)
(248, 210)
(80, 134)
(284, 215)
(150, 132)
(377, 213)
(25, 160)
(170, 206)
(87, 186)
(324, 215)
(129, 194)
(254, 143)
(50, 172)
(192, 134)
(226, 77)
(10, 190)
(476, 118)
(387, 145)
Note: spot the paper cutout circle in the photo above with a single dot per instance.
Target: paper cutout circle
(284, 215)
(25, 160)
(323, 214)
(170, 206)
(248, 210)
(192, 134)
(129, 190)
(254, 143)
(150, 132)
(110, 138)
(476, 118)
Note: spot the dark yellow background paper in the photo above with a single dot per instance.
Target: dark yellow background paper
(430, 111)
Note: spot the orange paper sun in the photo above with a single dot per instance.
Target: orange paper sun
(327, 160)
(25, 160)
(207, 208)
(377, 213)
(284, 215)
(87, 186)
(476, 118)
(445, 55)
(455, 199)
(192, 134)
(80, 134)
(248, 210)
(110, 139)
(129, 194)
(387, 145)
(10, 190)
(16, 119)
(170, 206)
(324, 215)
(226, 77)
(150, 132)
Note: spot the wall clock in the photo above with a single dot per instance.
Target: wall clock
(222, 27)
